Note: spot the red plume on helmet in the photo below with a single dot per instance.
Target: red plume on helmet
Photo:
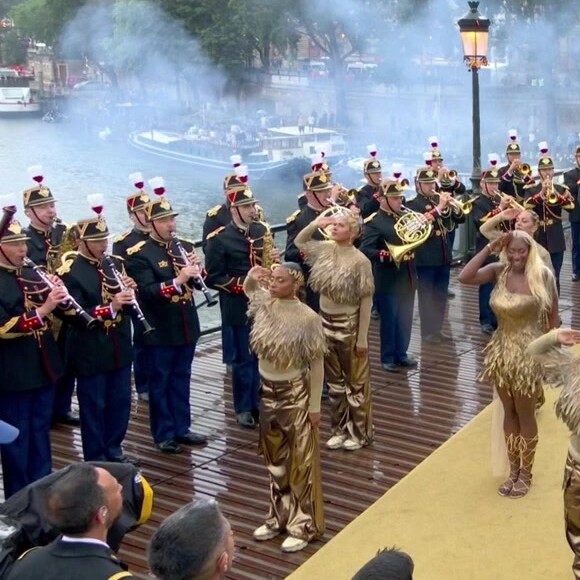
(157, 184)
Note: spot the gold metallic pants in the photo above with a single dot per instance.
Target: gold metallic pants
(348, 378)
(291, 450)
(572, 510)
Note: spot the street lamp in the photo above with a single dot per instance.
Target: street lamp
(474, 31)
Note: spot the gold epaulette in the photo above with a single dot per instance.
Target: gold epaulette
(214, 233)
(292, 216)
(369, 218)
(66, 262)
(213, 211)
(136, 248)
(28, 552)
(121, 237)
(119, 575)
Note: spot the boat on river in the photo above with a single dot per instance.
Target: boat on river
(274, 152)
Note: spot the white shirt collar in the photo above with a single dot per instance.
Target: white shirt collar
(84, 541)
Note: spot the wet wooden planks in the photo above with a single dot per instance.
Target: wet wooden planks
(414, 412)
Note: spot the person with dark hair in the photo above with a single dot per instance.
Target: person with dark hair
(288, 338)
(388, 564)
(194, 543)
(82, 505)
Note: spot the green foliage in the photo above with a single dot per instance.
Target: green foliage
(12, 48)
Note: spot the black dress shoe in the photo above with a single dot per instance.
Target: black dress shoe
(69, 418)
(192, 438)
(407, 361)
(125, 459)
(169, 446)
(246, 420)
(433, 338)
(487, 329)
(391, 367)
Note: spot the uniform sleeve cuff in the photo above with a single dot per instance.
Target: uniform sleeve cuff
(30, 321)
(104, 311)
(169, 288)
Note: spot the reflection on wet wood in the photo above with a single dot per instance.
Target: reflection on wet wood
(414, 413)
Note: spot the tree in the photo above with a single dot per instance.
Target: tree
(13, 49)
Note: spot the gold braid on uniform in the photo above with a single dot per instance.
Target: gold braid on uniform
(344, 276)
(287, 335)
(567, 406)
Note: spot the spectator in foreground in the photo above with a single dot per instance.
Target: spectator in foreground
(82, 505)
(388, 564)
(194, 543)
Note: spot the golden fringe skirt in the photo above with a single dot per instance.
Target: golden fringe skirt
(348, 378)
(572, 510)
(290, 447)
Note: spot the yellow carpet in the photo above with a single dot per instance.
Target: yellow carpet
(447, 515)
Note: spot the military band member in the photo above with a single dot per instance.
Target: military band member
(513, 176)
(343, 278)
(100, 358)
(136, 203)
(289, 341)
(318, 192)
(366, 200)
(230, 253)
(548, 199)
(572, 182)
(30, 363)
(433, 258)
(395, 279)
(487, 205)
(166, 282)
(47, 235)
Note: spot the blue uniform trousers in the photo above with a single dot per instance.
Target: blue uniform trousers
(557, 260)
(227, 344)
(396, 319)
(141, 370)
(486, 315)
(575, 235)
(104, 408)
(432, 287)
(169, 386)
(245, 376)
(63, 393)
(28, 457)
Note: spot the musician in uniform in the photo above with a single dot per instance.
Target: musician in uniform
(485, 207)
(230, 253)
(166, 284)
(136, 203)
(29, 360)
(99, 357)
(572, 182)
(366, 200)
(47, 234)
(512, 178)
(395, 278)
(433, 258)
(547, 200)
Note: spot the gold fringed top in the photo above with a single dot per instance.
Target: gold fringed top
(567, 361)
(342, 273)
(287, 333)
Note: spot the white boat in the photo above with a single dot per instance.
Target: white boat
(275, 152)
(18, 101)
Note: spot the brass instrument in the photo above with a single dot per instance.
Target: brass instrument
(413, 230)
(524, 168)
(267, 247)
(147, 328)
(209, 298)
(465, 207)
(550, 195)
(68, 243)
(70, 301)
(345, 195)
(513, 202)
(449, 176)
(334, 210)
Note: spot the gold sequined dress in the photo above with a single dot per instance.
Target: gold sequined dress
(519, 320)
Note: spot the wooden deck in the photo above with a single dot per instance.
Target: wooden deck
(414, 413)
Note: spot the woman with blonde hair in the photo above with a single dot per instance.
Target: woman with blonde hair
(343, 277)
(525, 302)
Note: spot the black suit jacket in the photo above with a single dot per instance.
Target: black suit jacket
(366, 201)
(572, 182)
(127, 240)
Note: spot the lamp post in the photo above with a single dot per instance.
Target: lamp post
(474, 30)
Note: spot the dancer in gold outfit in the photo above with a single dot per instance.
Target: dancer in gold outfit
(545, 350)
(525, 302)
(288, 339)
(342, 276)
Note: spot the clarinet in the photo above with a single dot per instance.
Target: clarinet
(147, 328)
(70, 301)
(209, 299)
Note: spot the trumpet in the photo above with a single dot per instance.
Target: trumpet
(70, 301)
(550, 194)
(209, 298)
(413, 230)
(464, 207)
(448, 177)
(147, 328)
(523, 168)
(345, 196)
(498, 196)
